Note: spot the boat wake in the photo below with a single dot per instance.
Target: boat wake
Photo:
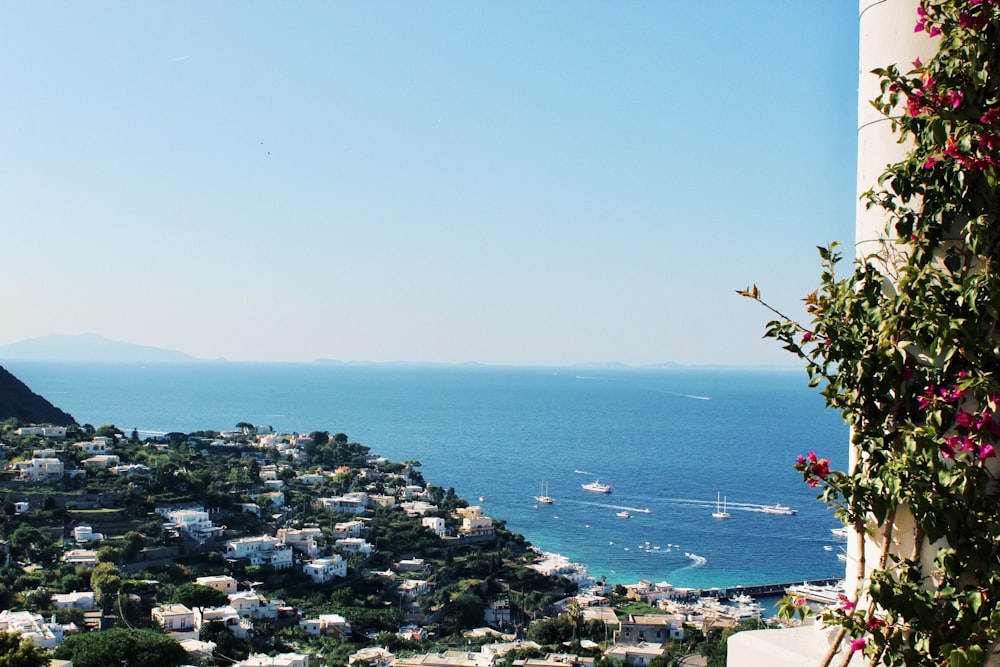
(698, 398)
(583, 472)
(698, 561)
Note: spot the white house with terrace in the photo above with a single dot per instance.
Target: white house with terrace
(261, 550)
(32, 626)
(325, 570)
(302, 539)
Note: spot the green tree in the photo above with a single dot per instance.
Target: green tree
(106, 582)
(108, 430)
(33, 544)
(119, 646)
(19, 651)
(196, 595)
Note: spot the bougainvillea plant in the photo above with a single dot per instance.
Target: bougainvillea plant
(906, 347)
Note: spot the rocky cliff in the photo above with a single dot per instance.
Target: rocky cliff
(18, 401)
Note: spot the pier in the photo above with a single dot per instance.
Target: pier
(767, 589)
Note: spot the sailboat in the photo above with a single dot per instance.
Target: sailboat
(544, 498)
(720, 512)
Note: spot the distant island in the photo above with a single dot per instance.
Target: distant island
(87, 347)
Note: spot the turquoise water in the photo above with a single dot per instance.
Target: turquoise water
(667, 440)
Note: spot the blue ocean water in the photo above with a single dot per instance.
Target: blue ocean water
(668, 440)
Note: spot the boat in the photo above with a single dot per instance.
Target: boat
(840, 532)
(623, 515)
(597, 487)
(720, 512)
(777, 508)
(544, 497)
(827, 547)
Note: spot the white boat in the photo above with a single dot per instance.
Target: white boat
(840, 532)
(720, 512)
(827, 547)
(544, 497)
(597, 487)
(777, 508)
(623, 515)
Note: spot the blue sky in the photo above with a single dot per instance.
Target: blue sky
(530, 183)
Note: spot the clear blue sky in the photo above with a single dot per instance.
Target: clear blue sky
(519, 182)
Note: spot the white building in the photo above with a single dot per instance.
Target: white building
(375, 656)
(220, 582)
(173, 617)
(34, 627)
(557, 565)
(349, 504)
(95, 446)
(330, 625)
(413, 588)
(262, 550)
(348, 529)
(40, 469)
(58, 432)
(417, 507)
(324, 570)
(280, 660)
(101, 461)
(303, 539)
(86, 534)
(194, 522)
(226, 615)
(75, 600)
(435, 524)
(253, 605)
(354, 546)
(81, 557)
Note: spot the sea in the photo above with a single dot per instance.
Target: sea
(671, 442)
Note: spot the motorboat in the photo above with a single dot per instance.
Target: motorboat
(597, 487)
(840, 532)
(623, 515)
(777, 509)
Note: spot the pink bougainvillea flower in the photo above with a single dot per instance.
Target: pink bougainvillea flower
(875, 622)
(987, 451)
(955, 98)
(800, 460)
(964, 419)
(799, 602)
(846, 602)
(807, 336)
(821, 468)
(931, 161)
(934, 31)
(812, 457)
(858, 644)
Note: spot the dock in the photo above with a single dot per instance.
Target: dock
(767, 589)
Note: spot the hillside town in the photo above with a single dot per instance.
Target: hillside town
(253, 548)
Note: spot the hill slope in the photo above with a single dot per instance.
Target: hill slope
(18, 401)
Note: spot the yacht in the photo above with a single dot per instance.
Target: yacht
(597, 487)
(543, 497)
(777, 509)
(720, 512)
(840, 532)
(623, 515)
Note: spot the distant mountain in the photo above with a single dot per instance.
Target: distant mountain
(18, 401)
(86, 347)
